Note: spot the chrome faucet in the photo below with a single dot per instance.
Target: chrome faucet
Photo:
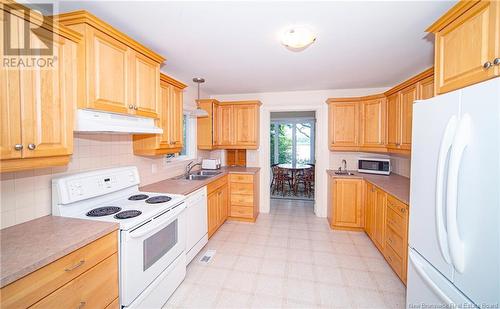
(189, 167)
(344, 165)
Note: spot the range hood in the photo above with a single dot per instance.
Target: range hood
(97, 121)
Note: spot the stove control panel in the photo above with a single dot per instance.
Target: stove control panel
(96, 183)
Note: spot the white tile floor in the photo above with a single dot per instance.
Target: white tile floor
(289, 258)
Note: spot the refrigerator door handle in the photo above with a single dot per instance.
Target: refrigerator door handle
(460, 142)
(420, 268)
(446, 143)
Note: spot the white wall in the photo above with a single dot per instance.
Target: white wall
(299, 101)
(26, 195)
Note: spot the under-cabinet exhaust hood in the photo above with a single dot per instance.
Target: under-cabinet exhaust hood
(97, 121)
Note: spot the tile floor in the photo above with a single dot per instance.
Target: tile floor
(289, 258)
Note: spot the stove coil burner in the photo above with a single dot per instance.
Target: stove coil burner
(138, 197)
(158, 199)
(127, 214)
(103, 211)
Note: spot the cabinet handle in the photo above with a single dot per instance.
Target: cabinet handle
(81, 305)
(390, 240)
(487, 65)
(18, 147)
(496, 61)
(130, 106)
(31, 146)
(403, 210)
(75, 266)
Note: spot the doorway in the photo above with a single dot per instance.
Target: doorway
(292, 154)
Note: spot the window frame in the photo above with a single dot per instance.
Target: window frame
(190, 143)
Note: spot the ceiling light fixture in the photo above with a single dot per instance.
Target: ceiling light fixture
(298, 38)
(198, 112)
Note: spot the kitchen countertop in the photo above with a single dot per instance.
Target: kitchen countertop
(394, 184)
(32, 245)
(184, 186)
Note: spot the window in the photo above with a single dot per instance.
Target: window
(188, 138)
(292, 141)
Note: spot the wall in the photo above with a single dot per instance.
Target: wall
(400, 164)
(301, 101)
(26, 195)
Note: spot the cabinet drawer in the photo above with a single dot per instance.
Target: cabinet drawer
(214, 185)
(96, 288)
(396, 222)
(395, 241)
(241, 188)
(241, 199)
(241, 211)
(33, 287)
(244, 178)
(394, 260)
(398, 206)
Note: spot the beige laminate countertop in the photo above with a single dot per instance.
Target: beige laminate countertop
(184, 186)
(32, 245)
(394, 184)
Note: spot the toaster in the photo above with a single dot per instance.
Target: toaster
(210, 164)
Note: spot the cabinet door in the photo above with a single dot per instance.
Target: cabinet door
(10, 100)
(465, 45)
(373, 123)
(226, 125)
(370, 210)
(408, 96)
(343, 120)
(164, 117)
(212, 208)
(380, 202)
(426, 88)
(348, 204)
(393, 121)
(145, 85)
(176, 117)
(48, 102)
(224, 203)
(246, 126)
(108, 70)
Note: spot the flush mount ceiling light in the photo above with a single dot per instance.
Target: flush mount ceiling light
(297, 38)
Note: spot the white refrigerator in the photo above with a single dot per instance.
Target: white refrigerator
(454, 232)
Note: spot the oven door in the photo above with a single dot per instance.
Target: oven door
(148, 250)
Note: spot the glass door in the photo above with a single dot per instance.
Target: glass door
(292, 141)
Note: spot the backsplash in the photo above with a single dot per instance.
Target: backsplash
(26, 195)
(400, 165)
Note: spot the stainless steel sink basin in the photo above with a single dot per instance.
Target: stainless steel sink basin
(343, 173)
(198, 177)
(206, 173)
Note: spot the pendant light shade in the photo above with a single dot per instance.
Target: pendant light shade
(198, 112)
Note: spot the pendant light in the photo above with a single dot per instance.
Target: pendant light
(198, 112)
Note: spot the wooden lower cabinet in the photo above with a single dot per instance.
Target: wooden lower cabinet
(244, 197)
(385, 218)
(87, 277)
(346, 199)
(217, 203)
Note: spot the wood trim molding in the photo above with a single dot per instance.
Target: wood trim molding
(452, 14)
(201, 101)
(256, 102)
(356, 99)
(50, 24)
(169, 80)
(410, 81)
(13, 165)
(84, 17)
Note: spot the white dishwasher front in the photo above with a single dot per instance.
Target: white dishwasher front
(197, 224)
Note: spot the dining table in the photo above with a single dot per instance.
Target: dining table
(294, 169)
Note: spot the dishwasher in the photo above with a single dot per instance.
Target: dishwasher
(196, 222)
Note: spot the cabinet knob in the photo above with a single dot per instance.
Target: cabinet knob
(496, 61)
(130, 106)
(18, 147)
(135, 107)
(31, 146)
(487, 65)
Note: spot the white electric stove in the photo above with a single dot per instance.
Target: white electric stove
(152, 229)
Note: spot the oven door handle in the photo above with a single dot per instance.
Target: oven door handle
(158, 222)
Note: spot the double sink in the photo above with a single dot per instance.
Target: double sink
(199, 175)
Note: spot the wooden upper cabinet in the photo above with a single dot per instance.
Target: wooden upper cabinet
(37, 103)
(145, 85)
(426, 88)
(343, 124)
(206, 127)
(373, 123)
(225, 125)
(108, 73)
(347, 202)
(170, 119)
(246, 125)
(467, 44)
(116, 73)
(408, 96)
(393, 121)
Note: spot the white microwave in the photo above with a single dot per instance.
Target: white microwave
(380, 166)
